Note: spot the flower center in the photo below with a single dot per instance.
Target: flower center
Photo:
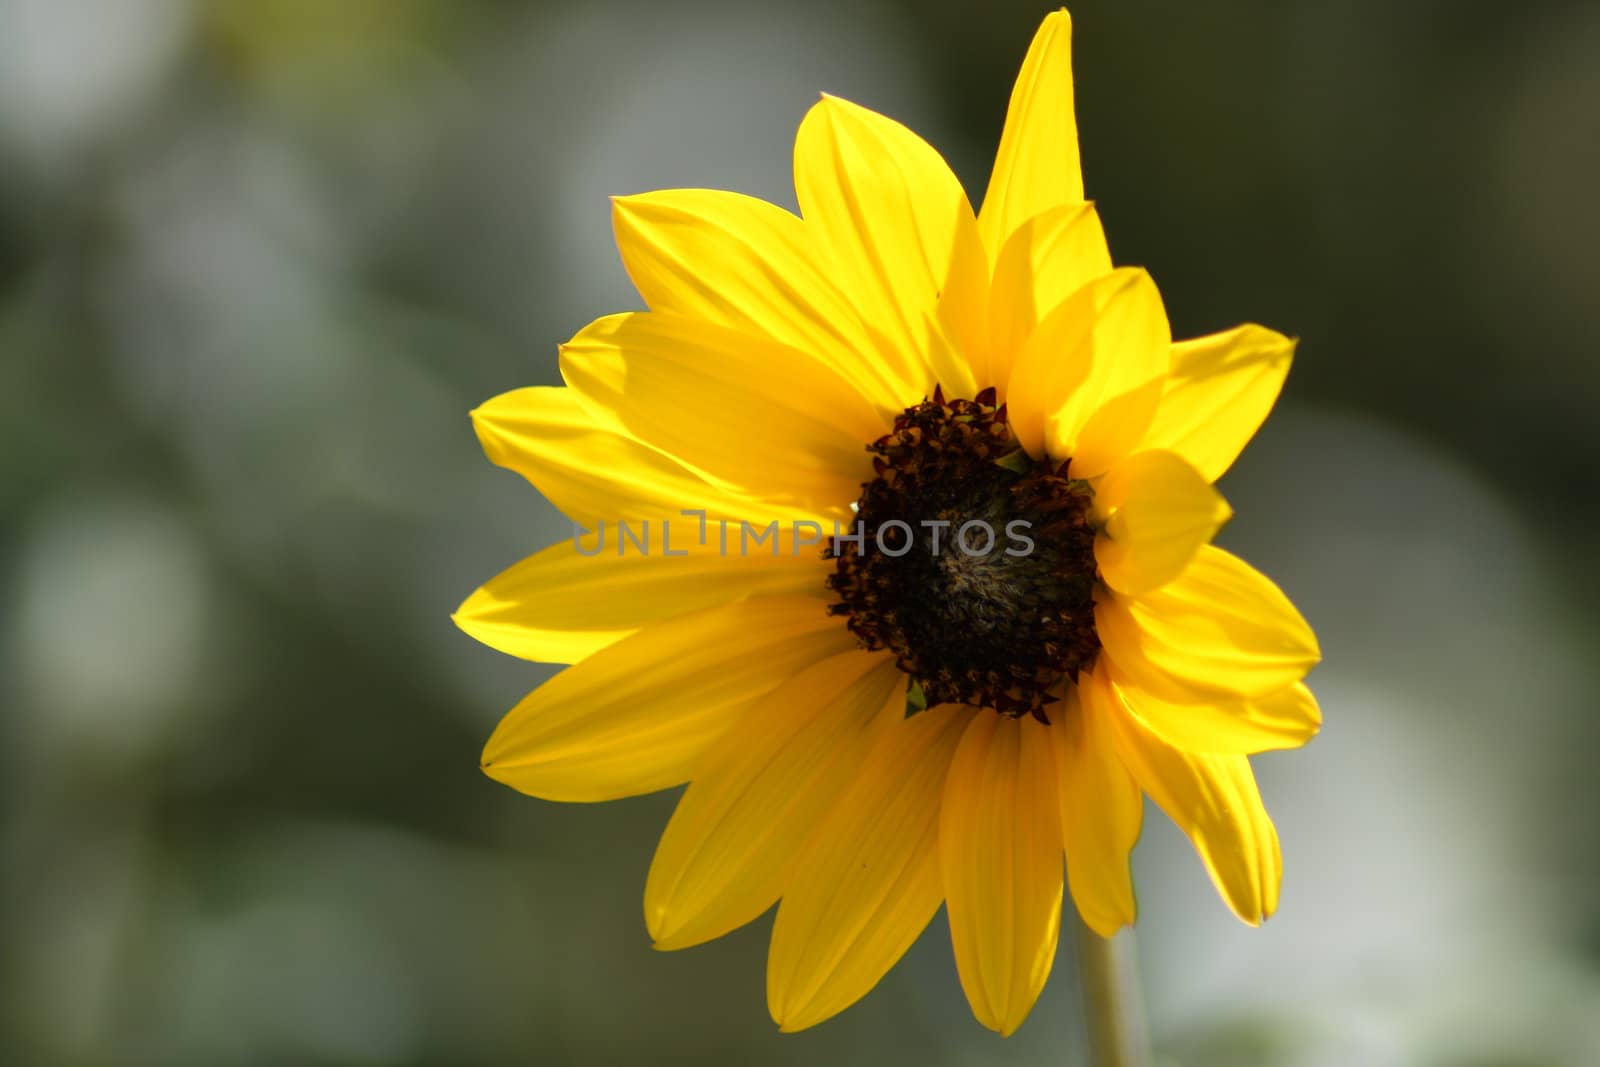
(971, 562)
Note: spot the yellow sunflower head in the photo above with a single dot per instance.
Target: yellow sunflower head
(892, 540)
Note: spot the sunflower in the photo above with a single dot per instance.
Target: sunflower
(911, 579)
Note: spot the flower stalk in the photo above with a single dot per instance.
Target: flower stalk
(1112, 1006)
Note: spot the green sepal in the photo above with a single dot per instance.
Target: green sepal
(1017, 462)
(916, 699)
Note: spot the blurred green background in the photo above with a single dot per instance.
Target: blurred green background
(259, 257)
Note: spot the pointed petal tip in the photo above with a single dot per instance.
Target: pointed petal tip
(463, 622)
(804, 1015)
(624, 205)
(835, 103)
(1013, 1021)
(667, 935)
(1258, 912)
(506, 773)
(1103, 924)
(493, 764)
(780, 1013)
(673, 939)
(787, 1017)
(482, 418)
(794, 1018)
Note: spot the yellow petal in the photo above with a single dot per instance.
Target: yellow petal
(868, 883)
(589, 471)
(763, 789)
(1218, 394)
(1285, 719)
(1102, 809)
(1037, 166)
(562, 604)
(742, 262)
(1048, 258)
(952, 363)
(1157, 511)
(1215, 801)
(899, 231)
(636, 716)
(1220, 630)
(1000, 854)
(757, 417)
(1088, 379)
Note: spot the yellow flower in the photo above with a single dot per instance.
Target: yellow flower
(891, 359)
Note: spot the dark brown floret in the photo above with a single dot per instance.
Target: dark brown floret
(999, 628)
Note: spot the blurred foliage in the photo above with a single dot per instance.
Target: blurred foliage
(259, 257)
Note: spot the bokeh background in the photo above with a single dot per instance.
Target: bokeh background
(258, 258)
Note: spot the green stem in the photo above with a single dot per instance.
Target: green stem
(1111, 1003)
